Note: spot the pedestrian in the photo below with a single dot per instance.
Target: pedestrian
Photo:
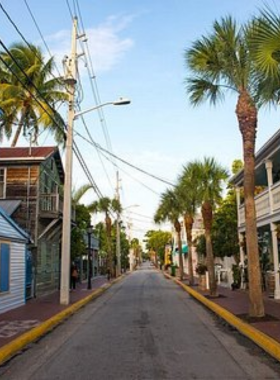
(74, 275)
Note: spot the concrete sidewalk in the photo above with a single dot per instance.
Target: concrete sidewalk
(27, 323)
(233, 307)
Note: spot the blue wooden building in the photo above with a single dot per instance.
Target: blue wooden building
(13, 263)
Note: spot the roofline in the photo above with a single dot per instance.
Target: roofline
(259, 156)
(24, 234)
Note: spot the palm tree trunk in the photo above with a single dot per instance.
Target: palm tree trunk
(247, 118)
(177, 226)
(19, 128)
(16, 136)
(188, 226)
(207, 219)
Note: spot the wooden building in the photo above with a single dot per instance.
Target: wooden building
(31, 189)
(13, 259)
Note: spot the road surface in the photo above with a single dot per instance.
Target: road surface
(143, 328)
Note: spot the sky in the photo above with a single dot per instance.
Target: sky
(137, 51)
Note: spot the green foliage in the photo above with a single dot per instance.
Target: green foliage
(224, 228)
(78, 246)
(201, 268)
(157, 240)
(236, 166)
(200, 244)
(21, 109)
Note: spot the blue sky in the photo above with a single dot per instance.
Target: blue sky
(137, 50)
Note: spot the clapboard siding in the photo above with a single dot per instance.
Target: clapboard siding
(15, 297)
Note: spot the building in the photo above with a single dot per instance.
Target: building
(13, 264)
(267, 203)
(31, 189)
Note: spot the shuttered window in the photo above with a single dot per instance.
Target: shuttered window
(4, 267)
(2, 183)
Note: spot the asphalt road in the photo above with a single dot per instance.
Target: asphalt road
(146, 328)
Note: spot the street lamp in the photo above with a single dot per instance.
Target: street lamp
(89, 232)
(70, 81)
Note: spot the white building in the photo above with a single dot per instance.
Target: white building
(267, 203)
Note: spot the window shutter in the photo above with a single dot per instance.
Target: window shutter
(4, 267)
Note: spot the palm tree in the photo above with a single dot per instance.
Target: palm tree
(106, 205)
(188, 192)
(222, 62)
(24, 77)
(211, 176)
(170, 209)
(78, 193)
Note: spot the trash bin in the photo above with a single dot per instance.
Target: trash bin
(173, 270)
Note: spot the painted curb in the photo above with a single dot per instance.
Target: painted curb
(12, 348)
(268, 344)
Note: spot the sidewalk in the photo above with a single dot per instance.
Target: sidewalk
(23, 325)
(233, 307)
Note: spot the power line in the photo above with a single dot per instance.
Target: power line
(126, 162)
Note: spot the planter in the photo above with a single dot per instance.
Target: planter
(202, 281)
(270, 283)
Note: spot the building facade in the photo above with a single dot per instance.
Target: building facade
(267, 204)
(31, 189)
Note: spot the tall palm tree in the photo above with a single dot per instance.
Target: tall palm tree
(170, 209)
(24, 77)
(211, 176)
(222, 62)
(188, 192)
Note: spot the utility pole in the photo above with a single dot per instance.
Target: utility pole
(70, 80)
(118, 237)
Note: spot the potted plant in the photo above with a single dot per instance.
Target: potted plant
(201, 271)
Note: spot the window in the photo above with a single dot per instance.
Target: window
(2, 183)
(4, 267)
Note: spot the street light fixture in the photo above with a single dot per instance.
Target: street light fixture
(71, 63)
(89, 232)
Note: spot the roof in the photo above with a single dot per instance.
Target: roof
(10, 230)
(267, 150)
(9, 206)
(22, 155)
(26, 152)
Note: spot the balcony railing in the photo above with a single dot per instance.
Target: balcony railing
(51, 203)
(266, 203)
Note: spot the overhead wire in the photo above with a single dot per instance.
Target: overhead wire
(40, 104)
(126, 162)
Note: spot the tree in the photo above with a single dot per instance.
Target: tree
(188, 192)
(106, 205)
(170, 209)
(222, 61)
(157, 241)
(28, 94)
(78, 246)
(211, 176)
(224, 231)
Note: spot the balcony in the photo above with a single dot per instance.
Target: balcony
(267, 204)
(51, 205)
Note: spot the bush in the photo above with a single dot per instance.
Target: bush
(201, 268)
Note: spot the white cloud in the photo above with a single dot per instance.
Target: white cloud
(105, 43)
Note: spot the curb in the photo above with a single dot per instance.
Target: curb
(268, 344)
(12, 348)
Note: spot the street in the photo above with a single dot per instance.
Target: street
(145, 327)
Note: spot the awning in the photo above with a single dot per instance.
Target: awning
(184, 249)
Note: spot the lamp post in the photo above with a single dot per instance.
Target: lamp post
(70, 81)
(89, 231)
